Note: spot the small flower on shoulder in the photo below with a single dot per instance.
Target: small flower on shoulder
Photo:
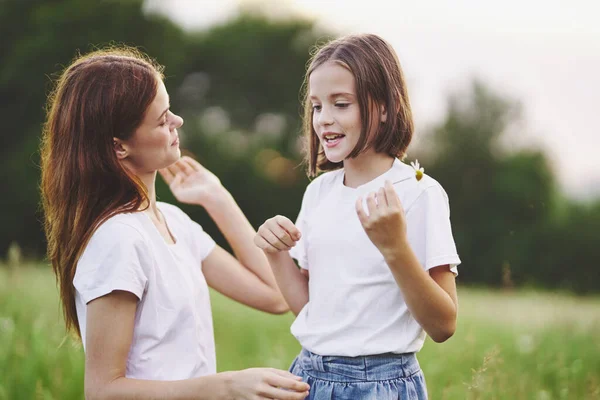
(418, 169)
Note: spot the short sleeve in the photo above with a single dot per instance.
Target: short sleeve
(298, 252)
(115, 258)
(430, 231)
(201, 242)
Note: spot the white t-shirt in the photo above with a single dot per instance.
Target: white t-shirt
(173, 334)
(355, 306)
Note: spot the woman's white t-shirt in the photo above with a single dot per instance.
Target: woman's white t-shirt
(355, 306)
(173, 334)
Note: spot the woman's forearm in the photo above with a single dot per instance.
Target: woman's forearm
(211, 387)
(293, 284)
(236, 228)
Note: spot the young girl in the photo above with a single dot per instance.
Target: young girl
(376, 275)
(134, 273)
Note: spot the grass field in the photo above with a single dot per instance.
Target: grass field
(508, 345)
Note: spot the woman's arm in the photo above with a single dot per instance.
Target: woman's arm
(193, 184)
(276, 237)
(109, 333)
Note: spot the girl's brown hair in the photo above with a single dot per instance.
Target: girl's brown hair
(100, 96)
(380, 81)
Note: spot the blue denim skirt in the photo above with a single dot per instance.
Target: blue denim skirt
(380, 377)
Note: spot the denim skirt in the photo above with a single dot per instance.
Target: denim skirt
(379, 377)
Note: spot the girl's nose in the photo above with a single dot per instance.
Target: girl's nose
(325, 117)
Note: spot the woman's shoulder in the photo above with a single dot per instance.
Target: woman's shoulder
(173, 213)
(120, 228)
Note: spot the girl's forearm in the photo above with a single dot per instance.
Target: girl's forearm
(432, 307)
(239, 234)
(292, 283)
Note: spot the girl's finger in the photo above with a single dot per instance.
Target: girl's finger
(282, 234)
(273, 240)
(372, 203)
(289, 227)
(360, 211)
(391, 195)
(382, 198)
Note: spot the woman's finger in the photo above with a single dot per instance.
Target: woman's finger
(185, 167)
(195, 165)
(284, 382)
(166, 175)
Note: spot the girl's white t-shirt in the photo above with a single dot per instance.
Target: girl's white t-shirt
(173, 334)
(355, 306)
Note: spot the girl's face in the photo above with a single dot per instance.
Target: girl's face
(155, 143)
(336, 112)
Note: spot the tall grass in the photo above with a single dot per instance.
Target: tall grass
(508, 345)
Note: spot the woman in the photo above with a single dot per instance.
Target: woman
(133, 272)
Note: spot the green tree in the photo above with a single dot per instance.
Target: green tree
(39, 38)
(499, 200)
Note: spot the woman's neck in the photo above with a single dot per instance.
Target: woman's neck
(366, 167)
(149, 180)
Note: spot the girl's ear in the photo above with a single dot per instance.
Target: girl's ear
(120, 149)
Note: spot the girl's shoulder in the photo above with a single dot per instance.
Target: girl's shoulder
(412, 190)
(324, 182)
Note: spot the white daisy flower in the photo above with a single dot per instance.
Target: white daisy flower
(419, 171)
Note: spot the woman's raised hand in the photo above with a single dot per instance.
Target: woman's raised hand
(190, 182)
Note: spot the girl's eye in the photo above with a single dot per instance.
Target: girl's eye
(163, 122)
(316, 108)
(342, 105)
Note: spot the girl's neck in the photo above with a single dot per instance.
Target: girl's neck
(366, 167)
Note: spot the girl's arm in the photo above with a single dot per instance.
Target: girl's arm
(109, 333)
(276, 237)
(246, 278)
(430, 297)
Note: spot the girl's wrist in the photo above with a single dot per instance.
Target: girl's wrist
(398, 252)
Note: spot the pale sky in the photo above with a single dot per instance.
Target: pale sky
(544, 53)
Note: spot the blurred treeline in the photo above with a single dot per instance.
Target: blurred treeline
(237, 86)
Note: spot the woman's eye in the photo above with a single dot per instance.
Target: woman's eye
(316, 108)
(342, 105)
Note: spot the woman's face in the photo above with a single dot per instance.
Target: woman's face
(155, 143)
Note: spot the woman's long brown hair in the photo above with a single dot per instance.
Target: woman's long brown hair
(100, 96)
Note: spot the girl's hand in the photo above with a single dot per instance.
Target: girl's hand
(385, 224)
(190, 182)
(266, 383)
(277, 234)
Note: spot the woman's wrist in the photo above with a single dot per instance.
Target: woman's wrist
(216, 199)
